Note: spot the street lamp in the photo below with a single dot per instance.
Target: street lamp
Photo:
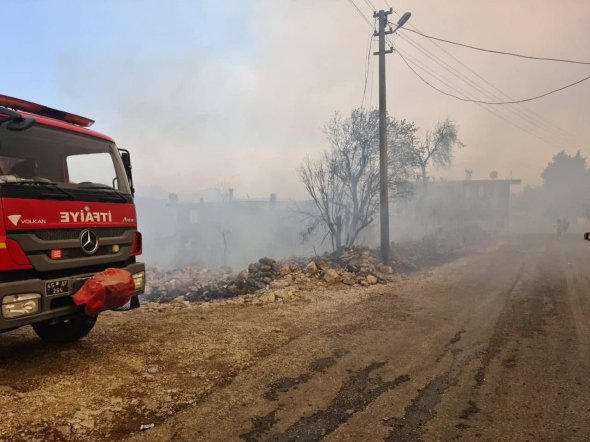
(402, 20)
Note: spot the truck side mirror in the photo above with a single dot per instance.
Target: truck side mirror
(126, 158)
(587, 236)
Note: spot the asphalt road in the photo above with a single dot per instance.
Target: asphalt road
(493, 346)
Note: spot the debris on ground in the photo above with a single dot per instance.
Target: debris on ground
(352, 267)
(348, 266)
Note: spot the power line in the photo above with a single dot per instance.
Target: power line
(370, 5)
(520, 109)
(367, 68)
(513, 54)
(523, 114)
(360, 12)
(493, 102)
(494, 111)
(469, 82)
(389, 6)
(371, 86)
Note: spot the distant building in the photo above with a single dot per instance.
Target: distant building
(237, 231)
(485, 201)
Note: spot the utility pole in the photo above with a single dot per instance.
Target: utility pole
(383, 181)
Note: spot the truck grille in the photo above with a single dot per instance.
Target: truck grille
(65, 234)
(78, 253)
(37, 245)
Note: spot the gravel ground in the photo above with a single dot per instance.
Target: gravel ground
(140, 367)
(492, 346)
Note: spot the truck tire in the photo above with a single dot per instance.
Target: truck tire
(69, 330)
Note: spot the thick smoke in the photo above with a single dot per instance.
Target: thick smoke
(238, 93)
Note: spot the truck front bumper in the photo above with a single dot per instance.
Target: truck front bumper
(52, 306)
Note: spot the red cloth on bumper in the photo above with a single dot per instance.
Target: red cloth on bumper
(106, 290)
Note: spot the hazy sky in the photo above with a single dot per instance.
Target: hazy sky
(210, 93)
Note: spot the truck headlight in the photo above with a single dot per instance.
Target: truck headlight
(14, 306)
(139, 280)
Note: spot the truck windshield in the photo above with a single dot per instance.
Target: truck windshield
(81, 165)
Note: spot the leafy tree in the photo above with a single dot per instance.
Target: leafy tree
(436, 148)
(402, 141)
(565, 171)
(565, 182)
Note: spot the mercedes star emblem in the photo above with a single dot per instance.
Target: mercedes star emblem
(89, 242)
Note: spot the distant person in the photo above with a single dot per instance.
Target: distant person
(564, 226)
(559, 228)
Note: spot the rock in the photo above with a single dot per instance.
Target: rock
(331, 275)
(152, 369)
(311, 268)
(385, 269)
(348, 278)
(279, 284)
(242, 276)
(232, 289)
(269, 297)
(371, 280)
(267, 261)
(323, 266)
(165, 299)
(283, 269)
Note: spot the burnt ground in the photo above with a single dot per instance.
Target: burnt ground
(493, 346)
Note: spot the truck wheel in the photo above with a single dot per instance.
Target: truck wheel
(69, 330)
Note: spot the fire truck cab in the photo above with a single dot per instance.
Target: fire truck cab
(66, 213)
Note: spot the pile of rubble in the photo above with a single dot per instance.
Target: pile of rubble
(350, 267)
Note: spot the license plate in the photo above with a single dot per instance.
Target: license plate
(60, 287)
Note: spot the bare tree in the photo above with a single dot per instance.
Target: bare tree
(437, 148)
(225, 234)
(344, 184)
(326, 192)
(354, 160)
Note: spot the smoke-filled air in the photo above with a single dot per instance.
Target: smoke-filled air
(295, 220)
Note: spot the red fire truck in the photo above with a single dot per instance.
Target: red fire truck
(66, 213)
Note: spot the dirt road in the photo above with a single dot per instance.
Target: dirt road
(494, 346)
